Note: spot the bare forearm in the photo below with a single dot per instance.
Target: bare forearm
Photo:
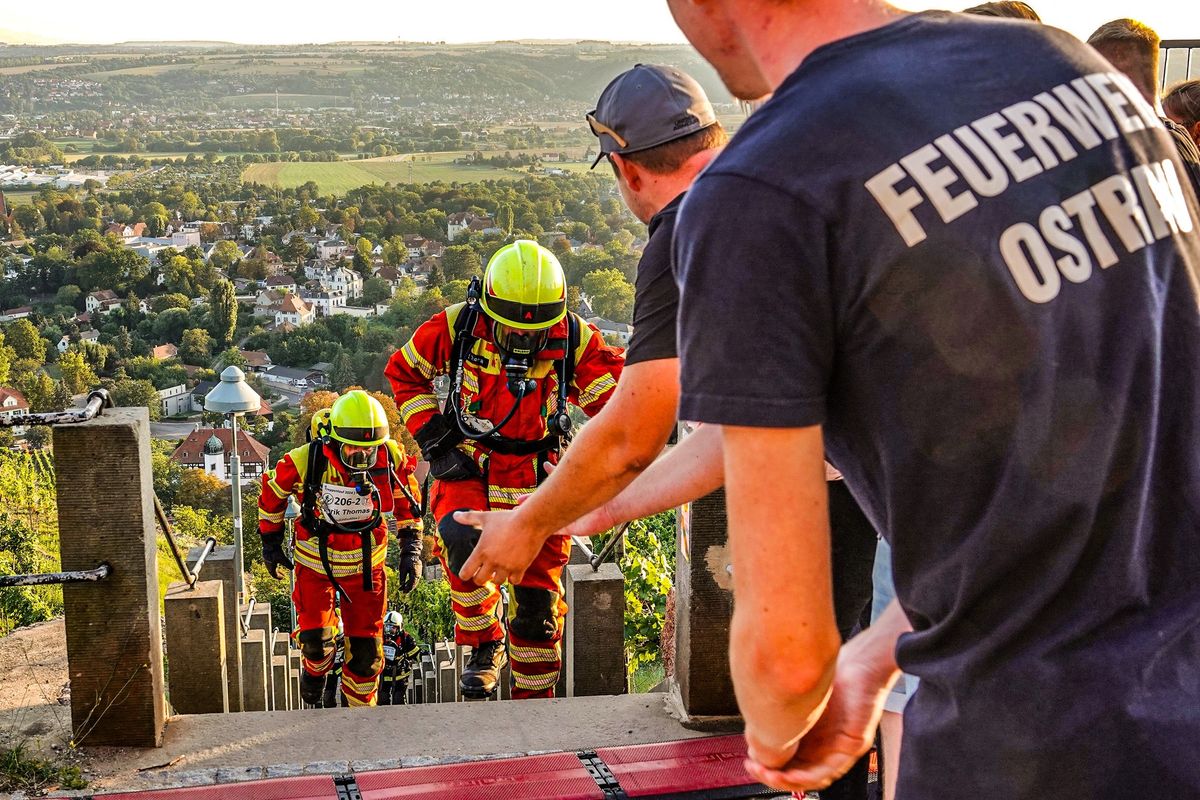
(610, 451)
(690, 470)
(875, 648)
(783, 640)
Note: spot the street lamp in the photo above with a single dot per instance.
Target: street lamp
(233, 396)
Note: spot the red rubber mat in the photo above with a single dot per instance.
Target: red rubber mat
(701, 768)
(560, 776)
(307, 787)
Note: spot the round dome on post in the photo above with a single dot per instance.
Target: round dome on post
(232, 395)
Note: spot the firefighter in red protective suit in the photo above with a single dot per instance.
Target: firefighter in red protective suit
(349, 480)
(515, 358)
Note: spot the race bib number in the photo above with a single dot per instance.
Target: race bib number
(344, 504)
(389, 652)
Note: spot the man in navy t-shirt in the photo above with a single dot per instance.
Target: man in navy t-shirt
(961, 255)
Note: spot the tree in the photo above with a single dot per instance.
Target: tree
(342, 374)
(610, 294)
(69, 295)
(77, 375)
(224, 309)
(224, 255)
(7, 356)
(460, 261)
(362, 257)
(170, 325)
(505, 219)
(200, 490)
(297, 250)
(307, 217)
(24, 338)
(195, 347)
(62, 396)
(132, 393)
(376, 290)
(115, 268)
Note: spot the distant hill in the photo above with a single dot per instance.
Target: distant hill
(18, 37)
(527, 78)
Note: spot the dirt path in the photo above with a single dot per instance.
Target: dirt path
(34, 696)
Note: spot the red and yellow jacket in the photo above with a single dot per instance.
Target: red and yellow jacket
(345, 556)
(485, 394)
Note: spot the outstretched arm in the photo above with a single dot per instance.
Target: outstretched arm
(619, 443)
(692, 469)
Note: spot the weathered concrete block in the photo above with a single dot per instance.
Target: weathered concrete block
(446, 658)
(254, 671)
(195, 619)
(429, 678)
(595, 653)
(114, 638)
(281, 699)
(260, 619)
(294, 686)
(282, 643)
(703, 610)
(505, 692)
(220, 566)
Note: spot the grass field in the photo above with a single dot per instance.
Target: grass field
(18, 198)
(342, 176)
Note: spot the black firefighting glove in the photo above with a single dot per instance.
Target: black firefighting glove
(439, 446)
(408, 571)
(273, 555)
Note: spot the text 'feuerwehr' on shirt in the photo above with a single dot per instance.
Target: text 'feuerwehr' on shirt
(1023, 140)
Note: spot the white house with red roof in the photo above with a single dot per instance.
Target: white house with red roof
(209, 449)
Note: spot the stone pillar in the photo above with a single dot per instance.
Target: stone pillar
(446, 658)
(594, 658)
(280, 650)
(254, 671)
(105, 491)
(462, 655)
(702, 685)
(280, 698)
(220, 566)
(431, 679)
(295, 669)
(195, 622)
(261, 620)
(505, 692)
(577, 557)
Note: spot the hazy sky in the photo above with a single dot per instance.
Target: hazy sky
(275, 22)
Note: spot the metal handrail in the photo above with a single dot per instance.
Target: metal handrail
(249, 611)
(50, 578)
(209, 544)
(595, 559)
(97, 401)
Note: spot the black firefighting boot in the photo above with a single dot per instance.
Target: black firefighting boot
(482, 673)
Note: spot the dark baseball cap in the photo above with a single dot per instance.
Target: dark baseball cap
(647, 106)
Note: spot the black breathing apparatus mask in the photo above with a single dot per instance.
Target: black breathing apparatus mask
(518, 349)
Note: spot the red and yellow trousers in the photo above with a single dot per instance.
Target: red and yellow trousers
(361, 613)
(536, 605)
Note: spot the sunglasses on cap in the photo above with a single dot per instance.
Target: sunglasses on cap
(599, 127)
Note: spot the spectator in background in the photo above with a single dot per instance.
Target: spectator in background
(1182, 106)
(1010, 9)
(1133, 48)
(1013, 414)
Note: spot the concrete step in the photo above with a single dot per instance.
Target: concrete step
(220, 748)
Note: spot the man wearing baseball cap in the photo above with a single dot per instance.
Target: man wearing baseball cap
(658, 130)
